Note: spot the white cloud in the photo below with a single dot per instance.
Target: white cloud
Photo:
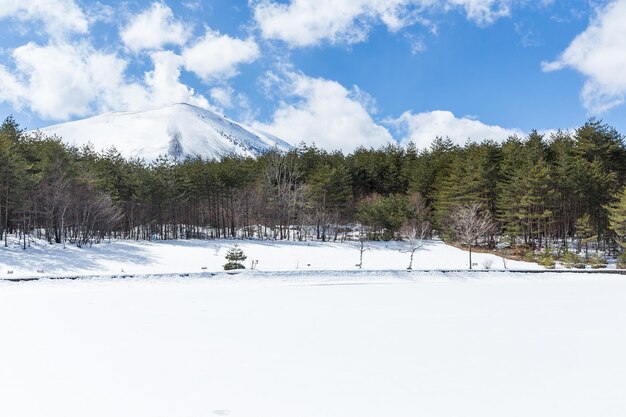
(304, 23)
(163, 83)
(422, 128)
(64, 80)
(11, 90)
(327, 114)
(217, 56)
(364, 98)
(57, 81)
(600, 54)
(60, 17)
(154, 28)
(194, 5)
(418, 45)
(98, 12)
(307, 22)
(223, 96)
(484, 12)
(333, 117)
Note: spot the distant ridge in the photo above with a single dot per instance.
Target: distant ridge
(179, 130)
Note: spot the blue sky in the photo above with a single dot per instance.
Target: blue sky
(339, 73)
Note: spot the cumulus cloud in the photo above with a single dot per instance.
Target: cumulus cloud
(600, 54)
(59, 17)
(217, 56)
(163, 83)
(58, 81)
(306, 23)
(69, 77)
(153, 29)
(336, 118)
(325, 113)
(422, 128)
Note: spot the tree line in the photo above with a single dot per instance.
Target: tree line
(538, 191)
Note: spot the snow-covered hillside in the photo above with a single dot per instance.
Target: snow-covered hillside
(178, 130)
(184, 256)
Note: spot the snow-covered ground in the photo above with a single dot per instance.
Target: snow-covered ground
(426, 344)
(191, 256)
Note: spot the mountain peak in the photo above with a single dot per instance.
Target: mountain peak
(178, 130)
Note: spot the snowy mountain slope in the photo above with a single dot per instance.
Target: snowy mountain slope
(179, 130)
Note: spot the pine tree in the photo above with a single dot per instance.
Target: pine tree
(509, 188)
(328, 196)
(235, 257)
(15, 181)
(617, 218)
(385, 214)
(597, 141)
(535, 201)
(568, 179)
(584, 232)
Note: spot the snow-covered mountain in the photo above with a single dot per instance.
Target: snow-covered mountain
(179, 130)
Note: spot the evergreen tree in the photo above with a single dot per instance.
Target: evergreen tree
(584, 232)
(15, 181)
(617, 218)
(384, 214)
(568, 179)
(329, 196)
(235, 257)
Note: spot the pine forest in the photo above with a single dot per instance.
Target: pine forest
(539, 193)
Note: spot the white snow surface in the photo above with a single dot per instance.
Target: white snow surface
(188, 256)
(148, 134)
(382, 344)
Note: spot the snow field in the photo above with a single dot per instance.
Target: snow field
(433, 345)
(192, 256)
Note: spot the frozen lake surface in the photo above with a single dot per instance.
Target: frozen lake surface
(377, 345)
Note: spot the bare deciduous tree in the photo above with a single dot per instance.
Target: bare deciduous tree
(52, 200)
(93, 216)
(284, 192)
(362, 246)
(417, 228)
(470, 223)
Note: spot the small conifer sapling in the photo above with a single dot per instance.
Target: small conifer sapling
(235, 258)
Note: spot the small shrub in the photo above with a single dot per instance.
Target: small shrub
(547, 260)
(621, 260)
(597, 261)
(571, 260)
(529, 256)
(235, 257)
